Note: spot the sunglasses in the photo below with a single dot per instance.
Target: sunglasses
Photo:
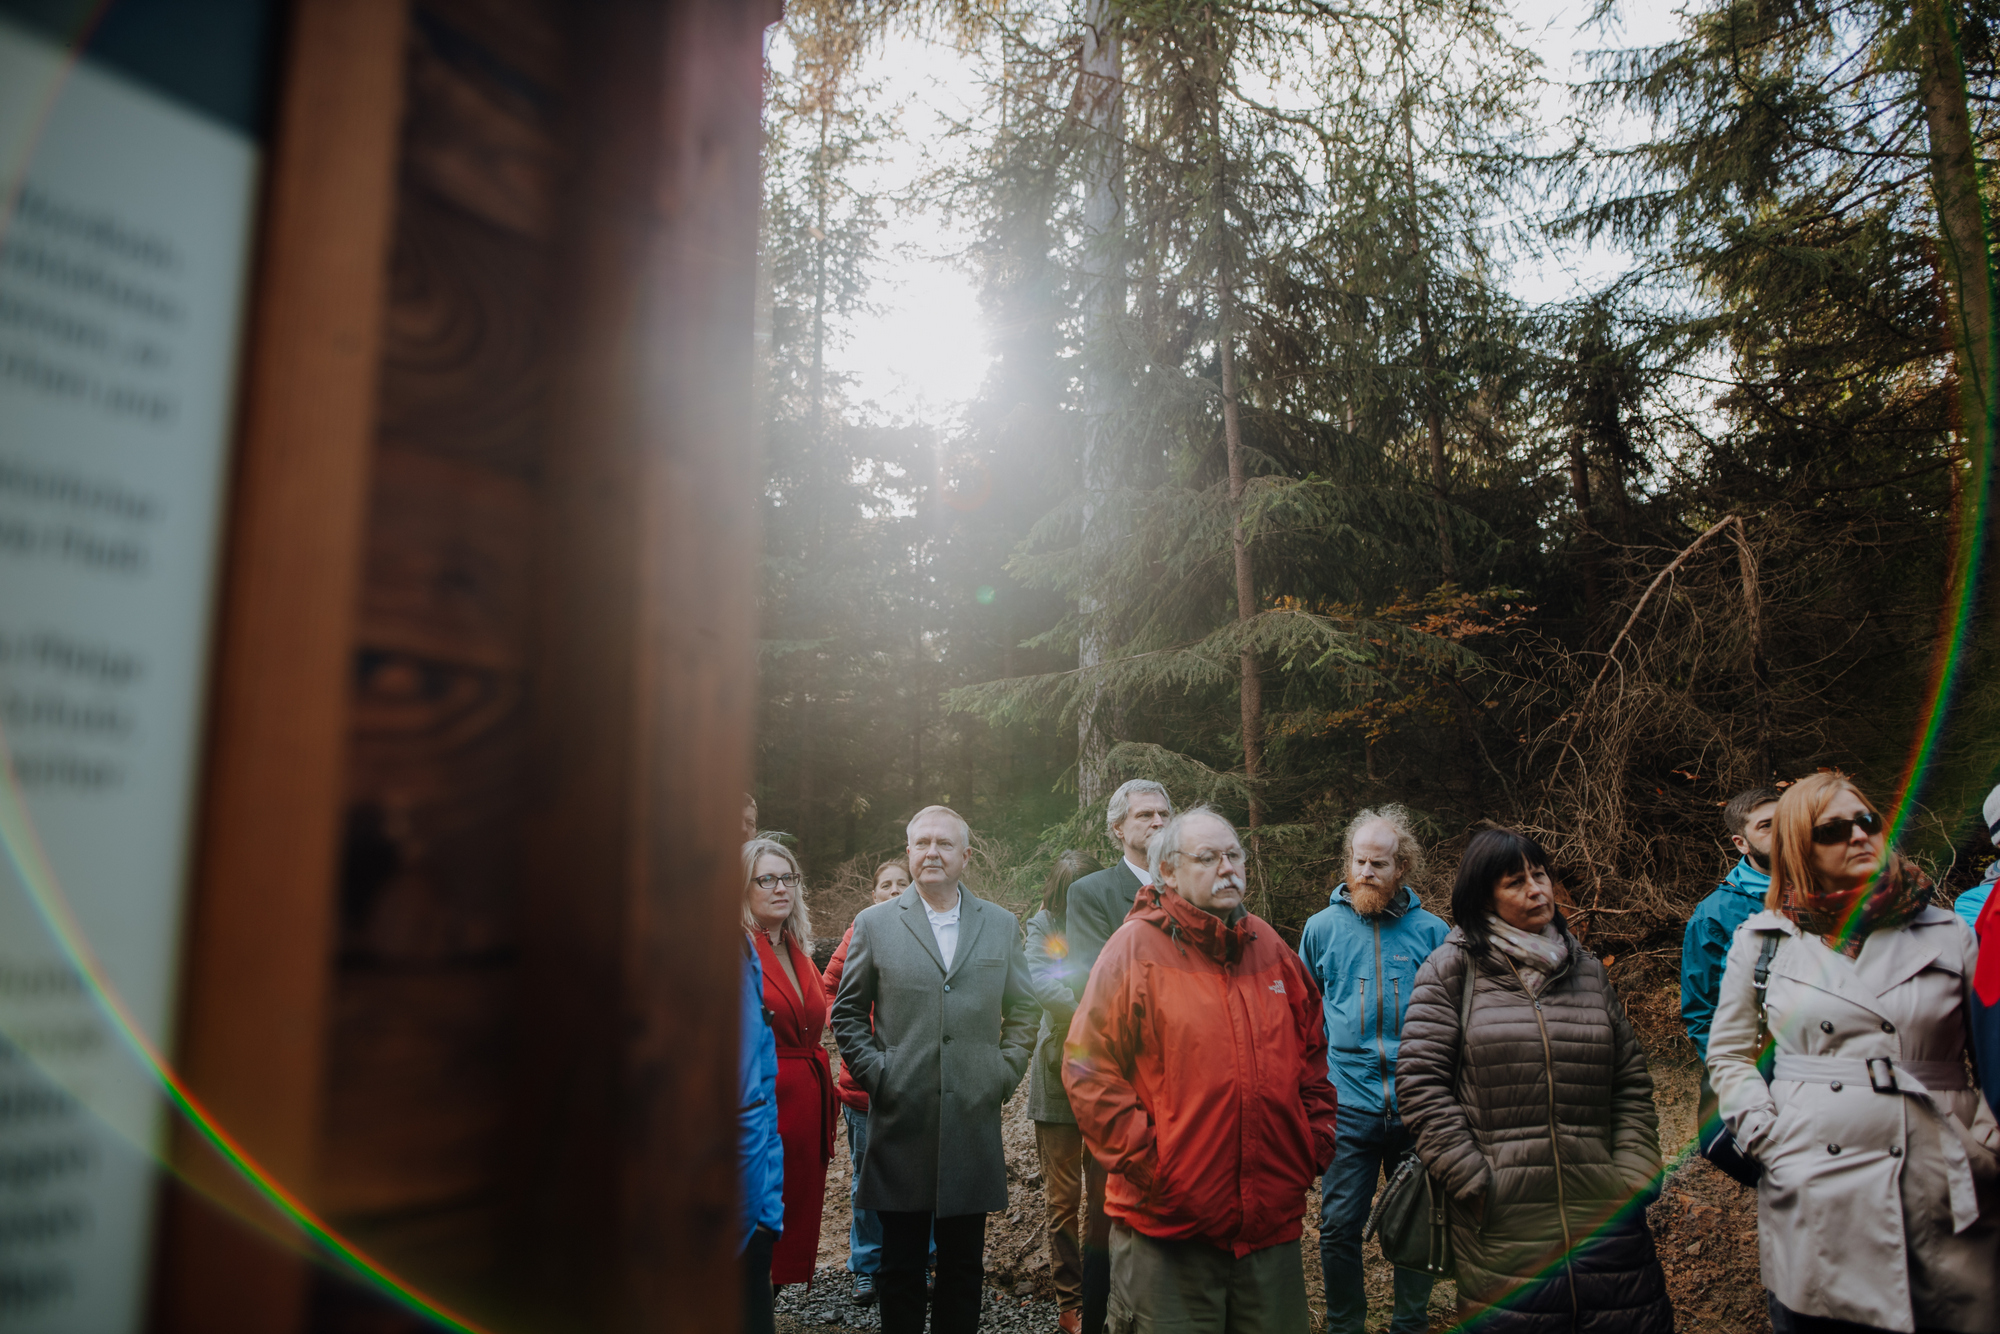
(1842, 829)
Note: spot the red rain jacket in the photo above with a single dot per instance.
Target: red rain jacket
(1196, 1065)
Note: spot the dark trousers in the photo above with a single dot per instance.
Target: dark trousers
(961, 1270)
(758, 1317)
(1096, 1247)
(1369, 1143)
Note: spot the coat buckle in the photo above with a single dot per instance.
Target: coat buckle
(1882, 1075)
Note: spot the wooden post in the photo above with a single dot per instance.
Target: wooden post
(625, 1177)
(261, 916)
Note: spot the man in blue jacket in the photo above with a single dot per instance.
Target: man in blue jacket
(1740, 896)
(760, 1153)
(1705, 946)
(1364, 949)
(1968, 904)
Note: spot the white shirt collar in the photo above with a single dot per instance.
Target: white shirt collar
(1145, 876)
(950, 914)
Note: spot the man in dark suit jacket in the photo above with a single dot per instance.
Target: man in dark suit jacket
(1097, 907)
(943, 973)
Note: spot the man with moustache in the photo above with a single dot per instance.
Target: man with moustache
(1364, 949)
(1097, 907)
(945, 977)
(1705, 947)
(1196, 1066)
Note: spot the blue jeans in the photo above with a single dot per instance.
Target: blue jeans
(864, 1234)
(1368, 1144)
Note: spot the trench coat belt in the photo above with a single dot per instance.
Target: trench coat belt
(815, 1056)
(1882, 1074)
(1919, 1079)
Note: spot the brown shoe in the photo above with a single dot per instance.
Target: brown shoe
(1070, 1322)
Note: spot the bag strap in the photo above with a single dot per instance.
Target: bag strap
(1760, 980)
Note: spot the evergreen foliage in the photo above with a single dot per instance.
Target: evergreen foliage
(1275, 492)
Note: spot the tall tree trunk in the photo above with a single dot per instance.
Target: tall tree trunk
(1962, 244)
(1101, 100)
(1427, 346)
(1961, 217)
(1251, 684)
(1590, 549)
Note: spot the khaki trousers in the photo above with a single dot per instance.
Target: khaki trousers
(1191, 1287)
(1061, 1147)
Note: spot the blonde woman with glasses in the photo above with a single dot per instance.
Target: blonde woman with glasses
(774, 913)
(1878, 1206)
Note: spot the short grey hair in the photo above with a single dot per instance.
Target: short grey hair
(964, 829)
(1167, 842)
(1408, 851)
(799, 925)
(1121, 802)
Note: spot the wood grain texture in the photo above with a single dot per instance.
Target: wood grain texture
(261, 917)
(625, 1168)
(425, 997)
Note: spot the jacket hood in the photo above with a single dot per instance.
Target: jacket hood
(1188, 925)
(1400, 904)
(1745, 879)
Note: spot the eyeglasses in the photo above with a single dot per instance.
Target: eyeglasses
(767, 883)
(1233, 857)
(1842, 829)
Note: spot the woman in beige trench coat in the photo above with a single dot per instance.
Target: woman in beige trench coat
(1879, 1204)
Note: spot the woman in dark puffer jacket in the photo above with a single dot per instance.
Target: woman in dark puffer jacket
(1546, 1142)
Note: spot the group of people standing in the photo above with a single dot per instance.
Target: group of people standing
(1191, 1076)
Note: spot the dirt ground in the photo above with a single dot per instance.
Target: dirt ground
(1704, 1224)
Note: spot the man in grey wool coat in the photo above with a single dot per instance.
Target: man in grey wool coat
(943, 976)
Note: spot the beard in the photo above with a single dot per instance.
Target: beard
(1369, 901)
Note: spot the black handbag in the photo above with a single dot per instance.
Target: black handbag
(1411, 1220)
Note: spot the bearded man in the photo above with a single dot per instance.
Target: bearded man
(1364, 949)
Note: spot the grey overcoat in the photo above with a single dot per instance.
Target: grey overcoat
(946, 1051)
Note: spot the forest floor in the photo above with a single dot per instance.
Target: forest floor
(1705, 1225)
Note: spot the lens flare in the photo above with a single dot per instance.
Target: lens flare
(31, 864)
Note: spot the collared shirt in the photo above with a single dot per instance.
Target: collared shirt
(944, 925)
(1145, 876)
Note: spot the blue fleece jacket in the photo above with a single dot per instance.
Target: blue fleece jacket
(760, 1153)
(1705, 945)
(1366, 968)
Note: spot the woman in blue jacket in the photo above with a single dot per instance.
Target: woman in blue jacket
(760, 1153)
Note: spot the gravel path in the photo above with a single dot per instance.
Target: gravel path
(829, 1305)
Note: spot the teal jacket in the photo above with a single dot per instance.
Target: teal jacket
(1705, 944)
(1968, 904)
(1366, 968)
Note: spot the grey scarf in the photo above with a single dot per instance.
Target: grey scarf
(1538, 955)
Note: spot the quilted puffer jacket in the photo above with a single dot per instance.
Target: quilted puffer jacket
(1551, 1151)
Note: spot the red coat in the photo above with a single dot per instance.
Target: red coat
(805, 1105)
(1196, 1065)
(844, 1088)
